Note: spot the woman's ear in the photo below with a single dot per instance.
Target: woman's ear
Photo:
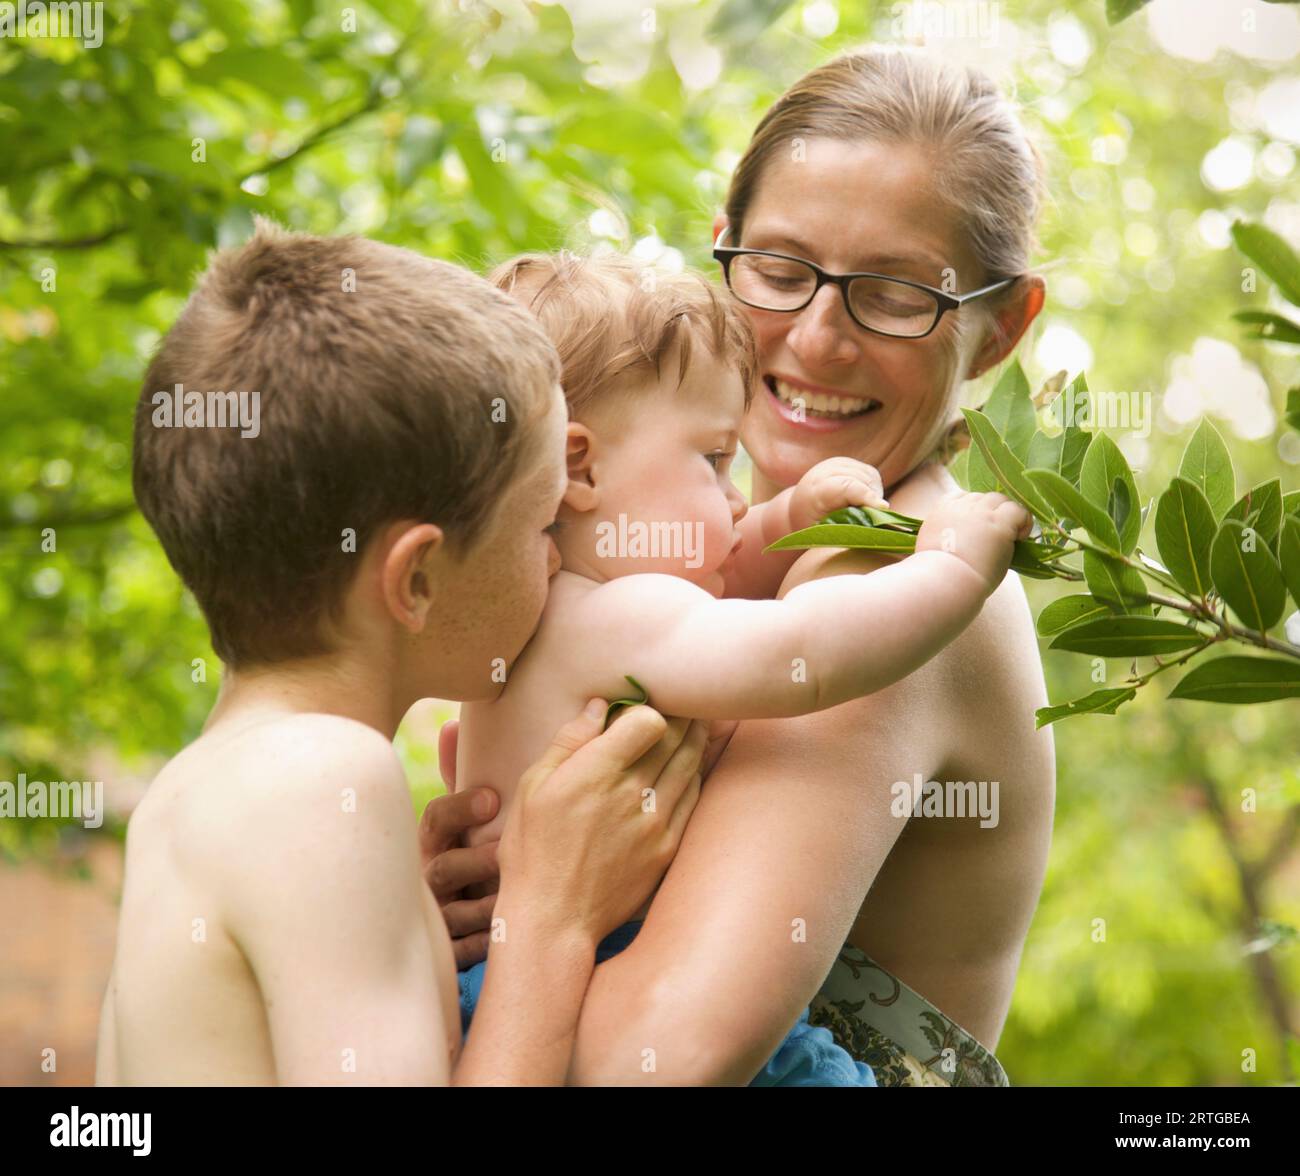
(580, 447)
(720, 222)
(1010, 321)
(408, 577)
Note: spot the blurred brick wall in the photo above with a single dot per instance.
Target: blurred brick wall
(57, 933)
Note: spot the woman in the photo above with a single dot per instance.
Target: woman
(808, 873)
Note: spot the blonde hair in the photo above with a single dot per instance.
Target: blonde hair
(611, 315)
(985, 164)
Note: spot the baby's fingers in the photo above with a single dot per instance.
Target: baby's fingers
(1016, 517)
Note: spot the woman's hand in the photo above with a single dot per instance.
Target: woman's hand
(598, 818)
(449, 868)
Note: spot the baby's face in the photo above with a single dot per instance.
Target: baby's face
(662, 469)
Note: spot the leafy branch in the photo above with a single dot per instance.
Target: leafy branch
(1226, 564)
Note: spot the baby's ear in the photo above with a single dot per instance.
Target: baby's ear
(580, 453)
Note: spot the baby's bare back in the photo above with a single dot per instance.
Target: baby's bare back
(559, 671)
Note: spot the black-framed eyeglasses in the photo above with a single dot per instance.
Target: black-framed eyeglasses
(876, 302)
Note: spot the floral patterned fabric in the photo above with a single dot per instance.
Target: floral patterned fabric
(896, 1031)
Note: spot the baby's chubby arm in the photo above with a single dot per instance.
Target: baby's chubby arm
(825, 642)
(830, 485)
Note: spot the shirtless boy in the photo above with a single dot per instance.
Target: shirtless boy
(380, 539)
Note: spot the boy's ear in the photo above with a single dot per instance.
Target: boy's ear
(1010, 321)
(408, 574)
(580, 448)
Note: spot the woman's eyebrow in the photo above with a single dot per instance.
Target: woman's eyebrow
(785, 243)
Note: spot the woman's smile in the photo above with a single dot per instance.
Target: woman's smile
(808, 406)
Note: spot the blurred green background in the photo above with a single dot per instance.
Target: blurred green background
(473, 130)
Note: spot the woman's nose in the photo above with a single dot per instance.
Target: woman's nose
(823, 334)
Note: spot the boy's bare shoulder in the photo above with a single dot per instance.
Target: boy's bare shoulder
(231, 799)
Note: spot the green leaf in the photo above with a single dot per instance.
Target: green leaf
(1010, 409)
(1291, 503)
(1065, 451)
(1006, 467)
(841, 535)
(620, 703)
(1184, 532)
(959, 468)
(1273, 255)
(1293, 414)
(1071, 504)
(1272, 328)
(1241, 680)
(1069, 611)
(1208, 466)
(1104, 468)
(1290, 553)
(1261, 509)
(1247, 576)
(1119, 585)
(1027, 558)
(1127, 636)
(867, 516)
(1118, 10)
(1099, 702)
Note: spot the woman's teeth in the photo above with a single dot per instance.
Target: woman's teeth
(816, 402)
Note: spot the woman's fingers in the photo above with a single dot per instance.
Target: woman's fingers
(682, 766)
(575, 734)
(446, 818)
(638, 731)
(581, 836)
(451, 871)
(720, 733)
(470, 950)
(682, 811)
(469, 916)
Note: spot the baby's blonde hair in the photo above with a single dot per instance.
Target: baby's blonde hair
(611, 315)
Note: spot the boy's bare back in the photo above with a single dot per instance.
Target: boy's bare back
(258, 866)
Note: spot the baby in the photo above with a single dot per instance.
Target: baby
(658, 369)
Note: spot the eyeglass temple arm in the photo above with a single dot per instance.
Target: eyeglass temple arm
(961, 298)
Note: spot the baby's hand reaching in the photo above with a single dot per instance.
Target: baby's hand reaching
(980, 529)
(832, 485)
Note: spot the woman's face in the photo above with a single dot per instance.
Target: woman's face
(851, 207)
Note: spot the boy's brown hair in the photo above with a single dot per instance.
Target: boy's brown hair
(610, 315)
(389, 386)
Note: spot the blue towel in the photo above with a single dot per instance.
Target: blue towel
(807, 1056)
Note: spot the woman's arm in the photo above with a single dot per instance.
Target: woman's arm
(790, 831)
(579, 853)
